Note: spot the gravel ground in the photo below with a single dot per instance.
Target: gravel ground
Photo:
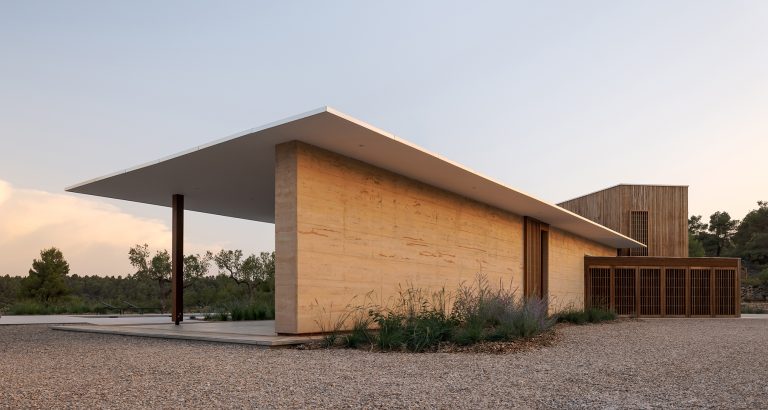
(631, 364)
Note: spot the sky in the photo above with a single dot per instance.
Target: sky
(555, 98)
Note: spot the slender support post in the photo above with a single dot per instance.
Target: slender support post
(177, 259)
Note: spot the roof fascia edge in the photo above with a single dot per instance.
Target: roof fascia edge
(206, 145)
(466, 169)
(366, 126)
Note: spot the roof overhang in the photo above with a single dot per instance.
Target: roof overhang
(235, 176)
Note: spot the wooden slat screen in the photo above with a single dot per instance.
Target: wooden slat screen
(600, 287)
(725, 292)
(638, 230)
(700, 292)
(535, 261)
(667, 214)
(657, 286)
(674, 291)
(625, 291)
(650, 291)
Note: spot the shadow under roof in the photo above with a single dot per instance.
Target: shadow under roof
(235, 176)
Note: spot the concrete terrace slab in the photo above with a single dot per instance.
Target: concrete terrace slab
(260, 333)
(86, 319)
(754, 316)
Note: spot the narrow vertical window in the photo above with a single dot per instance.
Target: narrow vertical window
(638, 230)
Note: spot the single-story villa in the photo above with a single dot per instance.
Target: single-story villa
(358, 210)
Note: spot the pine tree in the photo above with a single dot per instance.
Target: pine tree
(46, 280)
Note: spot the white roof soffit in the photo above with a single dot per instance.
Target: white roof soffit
(235, 176)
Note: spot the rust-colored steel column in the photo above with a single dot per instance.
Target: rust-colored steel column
(177, 259)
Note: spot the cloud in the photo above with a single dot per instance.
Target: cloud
(94, 237)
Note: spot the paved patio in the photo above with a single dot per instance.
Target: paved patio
(87, 319)
(260, 333)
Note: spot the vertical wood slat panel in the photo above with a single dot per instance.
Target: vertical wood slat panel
(676, 290)
(612, 289)
(727, 303)
(532, 259)
(587, 285)
(701, 291)
(712, 296)
(535, 263)
(688, 292)
(675, 299)
(667, 208)
(637, 292)
(599, 287)
(625, 290)
(544, 259)
(663, 292)
(650, 291)
(638, 230)
(737, 289)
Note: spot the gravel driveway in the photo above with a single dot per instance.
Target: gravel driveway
(632, 364)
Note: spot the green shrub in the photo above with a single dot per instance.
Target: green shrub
(750, 309)
(589, 315)
(331, 323)
(360, 334)
(497, 312)
(258, 310)
(391, 334)
(29, 307)
(329, 339)
(237, 313)
(760, 279)
(531, 318)
(502, 332)
(71, 305)
(426, 330)
(471, 334)
(600, 315)
(482, 305)
(578, 317)
(418, 322)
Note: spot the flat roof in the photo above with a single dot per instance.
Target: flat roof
(235, 176)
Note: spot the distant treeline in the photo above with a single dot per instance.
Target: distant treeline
(240, 282)
(723, 236)
(248, 282)
(93, 294)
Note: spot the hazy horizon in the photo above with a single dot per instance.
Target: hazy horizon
(596, 93)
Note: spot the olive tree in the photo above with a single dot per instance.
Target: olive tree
(251, 271)
(157, 268)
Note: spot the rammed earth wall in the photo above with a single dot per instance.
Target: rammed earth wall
(345, 229)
